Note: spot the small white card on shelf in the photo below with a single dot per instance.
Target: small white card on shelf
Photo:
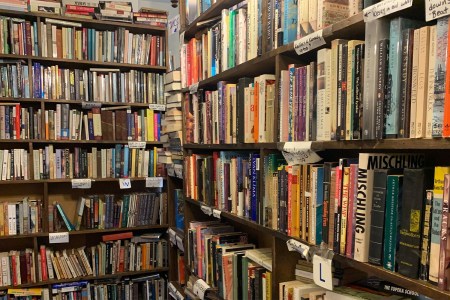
(193, 88)
(153, 106)
(206, 209)
(435, 9)
(310, 42)
(180, 243)
(136, 145)
(323, 272)
(90, 105)
(296, 153)
(81, 183)
(58, 237)
(172, 236)
(154, 182)
(125, 183)
(294, 245)
(385, 8)
(200, 287)
(216, 213)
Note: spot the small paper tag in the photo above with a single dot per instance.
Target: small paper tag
(296, 153)
(322, 272)
(200, 287)
(154, 182)
(174, 24)
(153, 106)
(180, 243)
(206, 209)
(81, 183)
(435, 9)
(385, 8)
(136, 145)
(294, 245)
(172, 288)
(193, 88)
(216, 213)
(309, 42)
(58, 237)
(90, 105)
(125, 183)
(172, 236)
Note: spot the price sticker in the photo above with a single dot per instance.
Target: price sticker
(322, 272)
(193, 88)
(136, 145)
(180, 243)
(310, 42)
(58, 238)
(153, 106)
(90, 105)
(435, 9)
(206, 209)
(385, 8)
(294, 245)
(81, 183)
(172, 236)
(154, 182)
(200, 287)
(124, 183)
(216, 213)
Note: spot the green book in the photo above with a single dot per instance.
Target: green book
(244, 275)
(232, 38)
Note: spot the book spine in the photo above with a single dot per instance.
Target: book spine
(383, 58)
(444, 257)
(426, 237)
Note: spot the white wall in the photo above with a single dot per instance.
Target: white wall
(174, 41)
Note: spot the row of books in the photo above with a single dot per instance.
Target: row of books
(148, 287)
(214, 248)
(110, 211)
(108, 257)
(14, 164)
(117, 162)
(18, 267)
(235, 113)
(21, 217)
(238, 34)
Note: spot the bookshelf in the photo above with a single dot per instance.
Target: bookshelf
(273, 62)
(58, 190)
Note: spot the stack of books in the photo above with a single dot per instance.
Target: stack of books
(17, 5)
(46, 6)
(116, 11)
(80, 9)
(150, 16)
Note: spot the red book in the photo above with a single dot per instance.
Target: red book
(28, 38)
(13, 269)
(121, 259)
(337, 202)
(117, 236)
(76, 8)
(77, 12)
(43, 263)
(153, 53)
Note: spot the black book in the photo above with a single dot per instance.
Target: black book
(382, 76)
(240, 103)
(415, 184)
(342, 89)
(426, 236)
(405, 85)
(328, 166)
(312, 114)
(358, 88)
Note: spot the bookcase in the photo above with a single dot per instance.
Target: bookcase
(275, 61)
(84, 100)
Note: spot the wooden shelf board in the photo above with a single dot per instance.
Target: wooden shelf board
(23, 236)
(231, 146)
(75, 102)
(102, 231)
(67, 180)
(73, 142)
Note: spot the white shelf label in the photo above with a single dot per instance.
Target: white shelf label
(385, 8)
(294, 245)
(309, 42)
(200, 287)
(125, 183)
(193, 88)
(136, 145)
(161, 107)
(216, 213)
(180, 243)
(58, 237)
(154, 182)
(322, 272)
(206, 209)
(172, 236)
(172, 288)
(90, 105)
(81, 183)
(435, 9)
(296, 153)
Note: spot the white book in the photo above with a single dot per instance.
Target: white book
(8, 167)
(12, 220)
(225, 40)
(430, 88)
(323, 95)
(283, 106)
(422, 81)
(242, 33)
(57, 121)
(414, 86)
(262, 93)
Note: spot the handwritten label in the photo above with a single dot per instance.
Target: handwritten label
(154, 182)
(172, 236)
(90, 105)
(174, 24)
(178, 171)
(193, 88)
(180, 243)
(136, 145)
(206, 209)
(435, 9)
(125, 183)
(200, 287)
(294, 245)
(309, 42)
(385, 8)
(322, 272)
(153, 106)
(58, 237)
(296, 153)
(81, 183)
(216, 213)
(172, 288)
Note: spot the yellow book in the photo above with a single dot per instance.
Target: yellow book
(268, 285)
(133, 165)
(150, 126)
(345, 187)
(25, 292)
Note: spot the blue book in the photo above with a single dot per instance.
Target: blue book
(221, 88)
(69, 225)
(158, 126)
(26, 79)
(117, 161)
(290, 21)
(205, 5)
(397, 25)
(319, 205)
(7, 123)
(126, 161)
(179, 209)
(91, 128)
(150, 165)
(35, 33)
(254, 179)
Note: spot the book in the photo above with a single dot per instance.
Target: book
(443, 255)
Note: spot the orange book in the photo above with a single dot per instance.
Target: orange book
(446, 125)
(144, 256)
(194, 61)
(256, 112)
(117, 236)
